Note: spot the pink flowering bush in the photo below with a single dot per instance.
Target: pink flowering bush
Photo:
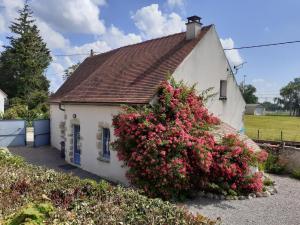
(169, 150)
(230, 169)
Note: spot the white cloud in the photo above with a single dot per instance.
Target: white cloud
(99, 2)
(97, 46)
(153, 23)
(55, 76)
(2, 24)
(1, 44)
(175, 3)
(56, 18)
(115, 38)
(76, 16)
(68, 61)
(53, 38)
(8, 12)
(233, 56)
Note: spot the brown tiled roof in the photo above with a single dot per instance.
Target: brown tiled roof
(225, 129)
(130, 74)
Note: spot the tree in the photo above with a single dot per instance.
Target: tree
(290, 97)
(68, 72)
(269, 106)
(248, 93)
(23, 62)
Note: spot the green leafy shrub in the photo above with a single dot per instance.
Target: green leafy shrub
(296, 174)
(21, 111)
(71, 200)
(273, 165)
(31, 214)
(268, 182)
(16, 112)
(36, 98)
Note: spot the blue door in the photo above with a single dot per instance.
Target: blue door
(41, 132)
(76, 139)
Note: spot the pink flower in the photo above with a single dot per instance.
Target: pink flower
(233, 186)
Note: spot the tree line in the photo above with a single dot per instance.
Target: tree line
(289, 99)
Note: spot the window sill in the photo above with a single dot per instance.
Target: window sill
(103, 159)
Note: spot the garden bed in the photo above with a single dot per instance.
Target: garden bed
(49, 197)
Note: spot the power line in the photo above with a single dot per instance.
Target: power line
(70, 54)
(262, 45)
(77, 54)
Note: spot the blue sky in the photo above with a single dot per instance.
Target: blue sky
(76, 26)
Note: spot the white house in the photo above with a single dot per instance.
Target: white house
(255, 109)
(3, 96)
(81, 110)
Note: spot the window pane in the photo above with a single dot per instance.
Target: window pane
(106, 140)
(223, 88)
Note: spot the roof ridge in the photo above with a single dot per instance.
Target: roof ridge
(127, 70)
(146, 41)
(139, 43)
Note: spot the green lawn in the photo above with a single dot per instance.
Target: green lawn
(270, 127)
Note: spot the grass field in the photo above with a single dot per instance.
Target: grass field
(270, 127)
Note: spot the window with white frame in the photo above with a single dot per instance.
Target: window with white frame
(223, 89)
(105, 143)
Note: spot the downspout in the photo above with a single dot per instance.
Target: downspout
(60, 108)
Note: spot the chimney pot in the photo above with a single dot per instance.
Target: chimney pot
(193, 27)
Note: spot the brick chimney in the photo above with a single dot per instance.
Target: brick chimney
(193, 27)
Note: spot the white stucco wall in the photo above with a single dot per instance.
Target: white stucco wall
(89, 117)
(2, 101)
(206, 65)
(56, 118)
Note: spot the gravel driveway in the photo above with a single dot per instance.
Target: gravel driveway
(49, 157)
(282, 208)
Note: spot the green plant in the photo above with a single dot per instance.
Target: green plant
(22, 112)
(232, 192)
(272, 165)
(31, 214)
(16, 112)
(296, 174)
(268, 182)
(71, 200)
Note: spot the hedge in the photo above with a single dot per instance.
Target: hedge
(42, 196)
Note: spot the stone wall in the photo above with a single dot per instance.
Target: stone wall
(289, 155)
